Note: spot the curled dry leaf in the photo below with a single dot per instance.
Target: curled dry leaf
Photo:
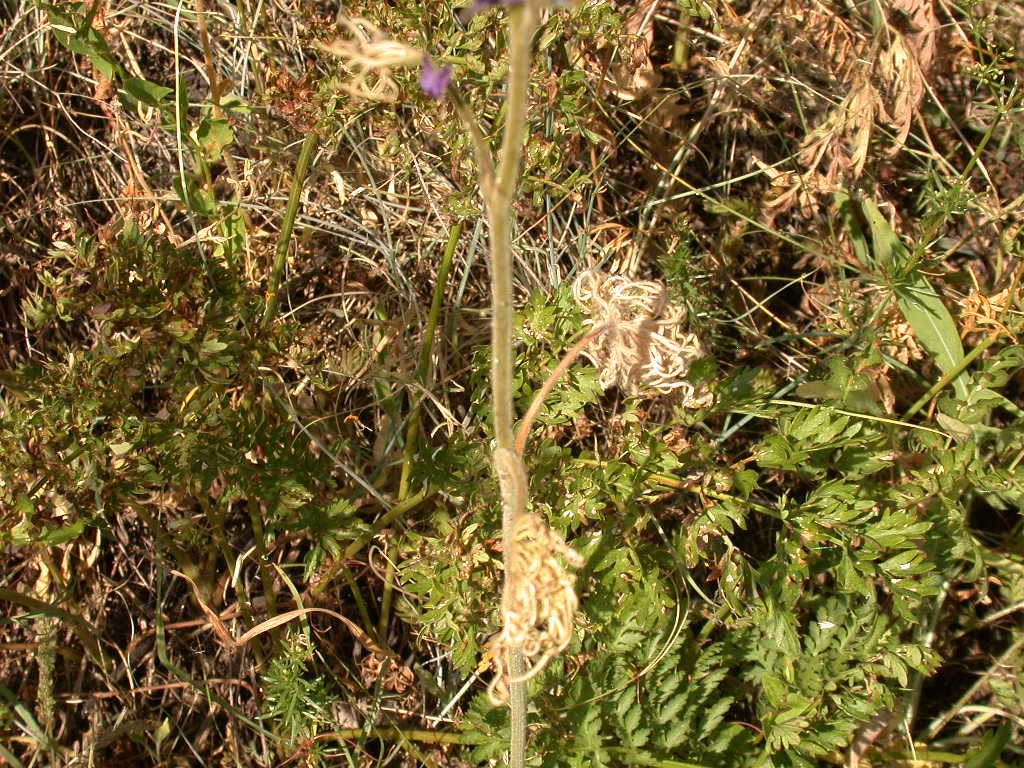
(885, 85)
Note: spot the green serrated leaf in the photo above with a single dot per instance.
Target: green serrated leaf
(904, 561)
(675, 735)
(672, 708)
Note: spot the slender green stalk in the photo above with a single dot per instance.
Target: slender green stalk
(285, 236)
(951, 374)
(511, 479)
(499, 215)
(395, 734)
(385, 603)
(356, 546)
(364, 614)
(413, 428)
(266, 577)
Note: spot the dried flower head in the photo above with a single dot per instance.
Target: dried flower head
(643, 346)
(370, 56)
(538, 604)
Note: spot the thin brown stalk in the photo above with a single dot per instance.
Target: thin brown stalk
(542, 394)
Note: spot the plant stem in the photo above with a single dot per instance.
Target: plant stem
(285, 236)
(951, 374)
(424, 736)
(542, 394)
(356, 546)
(499, 215)
(413, 428)
(522, 24)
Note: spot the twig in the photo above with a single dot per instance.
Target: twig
(542, 394)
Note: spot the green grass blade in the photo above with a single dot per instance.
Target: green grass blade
(991, 746)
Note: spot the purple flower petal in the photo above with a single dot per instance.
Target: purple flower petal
(433, 80)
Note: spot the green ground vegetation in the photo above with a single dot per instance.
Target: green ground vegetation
(247, 516)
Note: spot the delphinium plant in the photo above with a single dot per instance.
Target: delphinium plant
(538, 601)
(634, 339)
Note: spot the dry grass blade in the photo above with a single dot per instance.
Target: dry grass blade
(229, 641)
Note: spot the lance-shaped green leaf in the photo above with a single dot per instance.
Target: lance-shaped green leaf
(917, 300)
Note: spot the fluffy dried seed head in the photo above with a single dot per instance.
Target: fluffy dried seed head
(538, 604)
(643, 347)
(370, 56)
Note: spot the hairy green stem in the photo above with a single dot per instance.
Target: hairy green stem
(500, 196)
(500, 216)
(285, 236)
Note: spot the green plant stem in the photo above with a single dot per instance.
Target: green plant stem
(364, 614)
(413, 428)
(499, 214)
(481, 150)
(951, 374)
(353, 549)
(216, 86)
(266, 578)
(385, 603)
(522, 24)
(635, 757)
(396, 734)
(285, 236)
